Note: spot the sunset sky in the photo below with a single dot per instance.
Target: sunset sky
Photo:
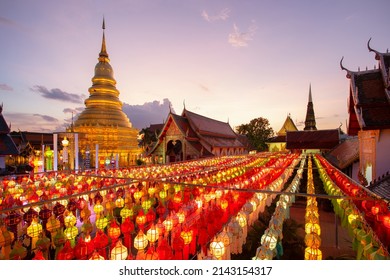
(228, 60)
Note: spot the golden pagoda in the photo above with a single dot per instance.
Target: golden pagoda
(103, 126)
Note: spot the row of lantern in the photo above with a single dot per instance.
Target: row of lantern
(23, 190)
(312, 223)
(376, 211)
(365, 241)
(272, 237)
(70, 229)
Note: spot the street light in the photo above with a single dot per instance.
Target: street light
(65, 144)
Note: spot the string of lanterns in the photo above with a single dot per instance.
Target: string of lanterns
(87, 215)
(273, 234)
(354, 215)
(312, 225)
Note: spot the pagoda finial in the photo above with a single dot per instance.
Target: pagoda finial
(310, 98)
(103, 55)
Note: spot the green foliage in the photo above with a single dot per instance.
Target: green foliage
(258, 131)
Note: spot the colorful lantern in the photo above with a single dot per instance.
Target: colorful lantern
(217, 249)
(140, 241)
(119, 252)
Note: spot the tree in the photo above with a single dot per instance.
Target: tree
(258, 131)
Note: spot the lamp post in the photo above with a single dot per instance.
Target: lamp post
(65, 144)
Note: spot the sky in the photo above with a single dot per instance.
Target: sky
(232, 61)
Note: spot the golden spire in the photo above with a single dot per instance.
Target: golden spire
(103, 55)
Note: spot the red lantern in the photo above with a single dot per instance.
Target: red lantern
(114, 231)
(66, 253)
(164, 251)
(101, 241)
(81, 250)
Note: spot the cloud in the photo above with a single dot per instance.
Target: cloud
(221, 15)
(204, 87)
(58, 94)
(149, 113)
(240, 39)
(73, 110)
(46, 118)
(6, 87)
(6, 21)
(33, 122)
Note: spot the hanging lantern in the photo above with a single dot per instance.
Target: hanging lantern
(313, 254)
(152, 234)
(140, 220)
(181, 216)
(270, 238)
(168, 224)
(70, 220)
(101, 223)
(119, 202)
(313, 240)
(151, 254)
(114, 231)
(34, 231)
(310, 227)
(217, 249)
(96, 257)
(98, 209)
(140, 241)
(386, 221)
(126, 212)
(187, 236)
(119, 252)
(71, 232)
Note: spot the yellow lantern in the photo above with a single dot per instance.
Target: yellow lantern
(313, 254)
(187, 236)
(119, 202)
(140, 241)
(126, 212)
(70, 220)
(98, 209)
(101, 223)
(162, 194)
(217, 249)
(168, 224)
(312, 240)
(119, 252)
(312, 227)
(34, 230)
(71, 232)
(224, 204)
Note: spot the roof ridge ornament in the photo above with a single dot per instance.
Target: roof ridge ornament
(377, 54)
(343, 68)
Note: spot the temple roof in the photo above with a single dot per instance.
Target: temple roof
(288, 125)
(201, 131)
(7, 145)
(206, 126)
(369, 95)
(312, 139)
(345, 153)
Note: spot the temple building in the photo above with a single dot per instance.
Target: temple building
(369, 116)
(103, 127)
(312, 140)
(8, 149)
(192, 136)
(278, 143)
